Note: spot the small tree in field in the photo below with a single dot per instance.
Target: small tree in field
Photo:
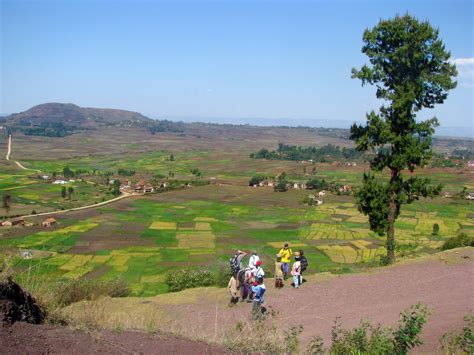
(411, 70)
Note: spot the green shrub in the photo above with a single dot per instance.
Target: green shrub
(182, 279)
(369, 339)
(222, 275)
(435, 229)
(460, 343)
(461, 240)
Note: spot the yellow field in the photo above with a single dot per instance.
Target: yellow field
(163, 225)
(200, 239)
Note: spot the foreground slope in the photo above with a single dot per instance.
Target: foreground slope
(444, 282)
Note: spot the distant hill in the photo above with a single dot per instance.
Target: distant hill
(60, 119)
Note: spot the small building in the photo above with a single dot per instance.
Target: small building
(271, 184)
(148, 188)
(319, 202)
(49, 222)
(6, 223)
(59, 182)
(112, 181)
(470, 196)
(45, 177)
(322, 193)
(27, 254)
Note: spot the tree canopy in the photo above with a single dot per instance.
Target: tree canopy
(411, 69)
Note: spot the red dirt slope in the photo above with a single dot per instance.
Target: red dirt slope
(24, 338)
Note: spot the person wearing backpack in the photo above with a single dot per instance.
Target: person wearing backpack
(304, 266)
(236, 262)
(245, 277)
(258, 289)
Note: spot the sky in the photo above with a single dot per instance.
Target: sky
(263, 62)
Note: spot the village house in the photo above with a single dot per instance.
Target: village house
(319, 202)
(48, 222)
(59, 182)
(148, 188)
(6, 223)
(322, 193)
(470, 196)
(45, 177)
(27, 254)
(139, 186)
(470, 163)
(299, 185)
(447, 195)
(346, 188)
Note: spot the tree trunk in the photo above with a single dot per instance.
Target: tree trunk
(391, 218)
(391, 233)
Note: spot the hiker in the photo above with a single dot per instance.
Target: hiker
(245, 278)
(253, 260)
(258, 289)
(296, 270)
(304, 266)
(236, 262)
(233, 286)
(286, 254)
(258, 271)
(278, 272)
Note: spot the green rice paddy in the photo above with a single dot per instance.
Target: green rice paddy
(146, 238)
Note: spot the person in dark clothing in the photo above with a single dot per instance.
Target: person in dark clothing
(304, 265)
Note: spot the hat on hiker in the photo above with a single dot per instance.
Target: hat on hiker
(258, 263)
(255, 283)
(285, 245)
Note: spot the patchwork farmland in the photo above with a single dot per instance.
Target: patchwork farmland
(142, 239)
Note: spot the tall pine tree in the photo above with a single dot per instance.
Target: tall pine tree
(411, 70)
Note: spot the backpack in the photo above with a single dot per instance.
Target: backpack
(234, 264)
(241, 276)
(304, 263)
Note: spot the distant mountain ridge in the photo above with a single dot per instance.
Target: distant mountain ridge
(62, 119)
(71, 114)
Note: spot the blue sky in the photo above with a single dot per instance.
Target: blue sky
(229, 61)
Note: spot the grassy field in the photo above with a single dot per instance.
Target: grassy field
(142, 239)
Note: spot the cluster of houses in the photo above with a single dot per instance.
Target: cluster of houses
(56, 181)
(316, 200)
(21, 222)
(140, 187)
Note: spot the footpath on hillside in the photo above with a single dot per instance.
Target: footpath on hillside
(444, 282)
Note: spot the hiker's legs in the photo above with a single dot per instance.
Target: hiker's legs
(256, 312)
(284, 267)
(296, 281)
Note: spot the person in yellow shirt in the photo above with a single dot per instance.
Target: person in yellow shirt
(285, 254)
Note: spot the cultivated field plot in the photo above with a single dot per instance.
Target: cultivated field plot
(142, 239)
(31, 193)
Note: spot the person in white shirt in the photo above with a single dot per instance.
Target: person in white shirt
(253, 261)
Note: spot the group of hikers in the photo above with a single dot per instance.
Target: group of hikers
(248, 283)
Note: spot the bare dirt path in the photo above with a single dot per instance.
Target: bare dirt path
(444, 282)
(23, 338)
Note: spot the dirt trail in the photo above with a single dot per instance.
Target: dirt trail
(122, 196)
(23, 338)
(444, 282)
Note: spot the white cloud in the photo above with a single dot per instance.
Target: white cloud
(463, 61)
(465, 68)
